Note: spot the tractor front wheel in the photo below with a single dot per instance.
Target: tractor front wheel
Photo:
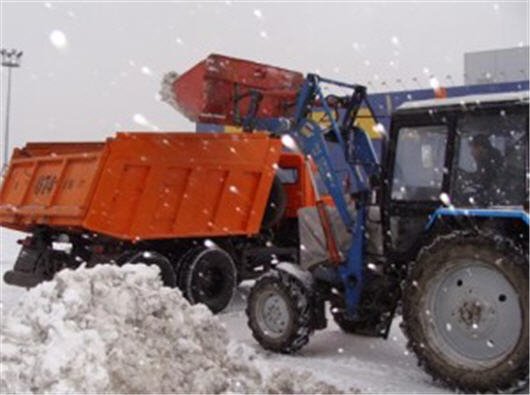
(279, 312)
(465, 312)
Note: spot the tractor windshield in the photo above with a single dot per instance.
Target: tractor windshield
(491, 159)
(420, 155)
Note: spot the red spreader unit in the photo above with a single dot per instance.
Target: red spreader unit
(223, 90)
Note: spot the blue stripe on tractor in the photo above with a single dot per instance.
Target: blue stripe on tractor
(475, 212)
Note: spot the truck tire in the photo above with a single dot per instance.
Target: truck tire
(167, 274)
(465, 312)
(275, 205)
(208, 276)
(279, 312)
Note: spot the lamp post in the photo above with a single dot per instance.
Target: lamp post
(10, 59)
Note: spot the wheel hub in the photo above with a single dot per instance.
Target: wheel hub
(476, 314)
(273, 314)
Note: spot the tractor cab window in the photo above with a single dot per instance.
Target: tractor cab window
(490, 160)
(419, 163)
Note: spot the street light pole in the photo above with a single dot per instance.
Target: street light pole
(10, 59)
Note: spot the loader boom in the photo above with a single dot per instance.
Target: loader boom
(358, 153)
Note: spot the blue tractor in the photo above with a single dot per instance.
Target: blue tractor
(436, 230)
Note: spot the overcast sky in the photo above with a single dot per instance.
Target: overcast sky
(106, 68)
(90, 69)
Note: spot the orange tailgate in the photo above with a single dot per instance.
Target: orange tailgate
(49, 184)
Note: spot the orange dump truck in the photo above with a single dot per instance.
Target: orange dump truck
(208, 209)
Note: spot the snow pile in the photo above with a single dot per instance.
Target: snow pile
(110, 329)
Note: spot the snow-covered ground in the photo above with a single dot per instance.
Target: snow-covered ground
(349, 362)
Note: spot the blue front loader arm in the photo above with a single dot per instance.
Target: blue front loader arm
(358, 153)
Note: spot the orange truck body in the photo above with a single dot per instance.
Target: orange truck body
(143, 186)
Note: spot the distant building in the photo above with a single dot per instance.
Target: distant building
(499, 65)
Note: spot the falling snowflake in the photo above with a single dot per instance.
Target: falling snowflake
(445, 199)
(435, 84)
(288, 142)
(209, 244)
(140, 119)
(179, 41)
(258, 14)
(58, 39)
(146, 70)
(379, 128)
(394, 40)
(263, 34)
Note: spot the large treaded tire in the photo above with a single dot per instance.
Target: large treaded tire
(167, 274)
(375, 311)
(208, 276)
(449, 254)
(296, 299)
(363, 328)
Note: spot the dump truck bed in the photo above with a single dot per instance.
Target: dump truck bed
(143, 185)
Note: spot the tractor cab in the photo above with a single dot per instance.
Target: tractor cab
(465, 152)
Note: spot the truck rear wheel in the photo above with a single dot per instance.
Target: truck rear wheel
(209, 276)
(167, 274)
(279, 312)
(465, 312)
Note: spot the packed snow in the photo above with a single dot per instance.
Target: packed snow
(110, 329)
(57, 320)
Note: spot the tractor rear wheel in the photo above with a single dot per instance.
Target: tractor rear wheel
(209, 276)
(279, 312)
(465, 312)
